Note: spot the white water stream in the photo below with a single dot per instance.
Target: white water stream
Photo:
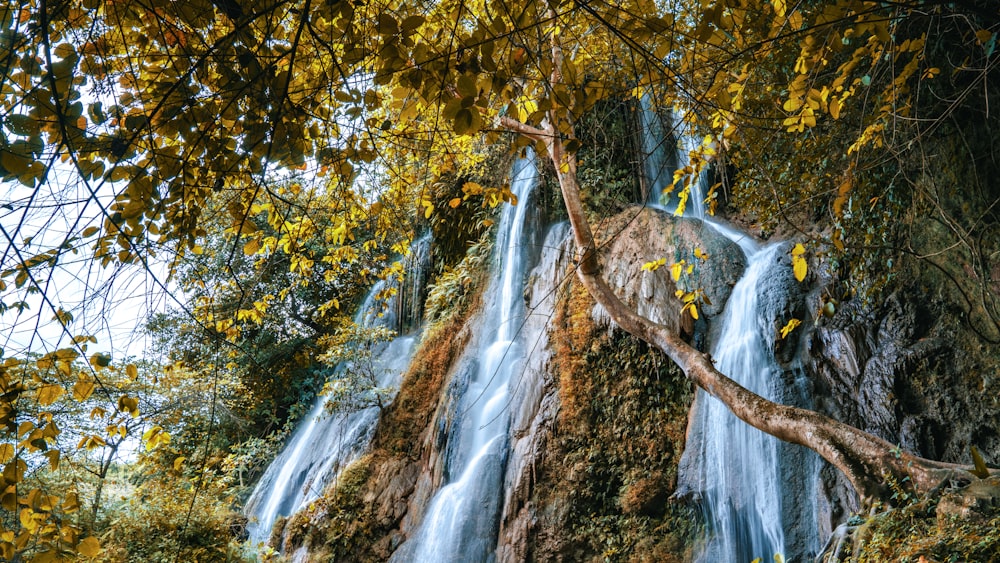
(740, 463)
(740, 476)
(460, 524)
(324, 444)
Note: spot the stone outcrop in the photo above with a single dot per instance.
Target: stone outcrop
(642, 234)
(907, 370)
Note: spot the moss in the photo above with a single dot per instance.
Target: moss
(416, 402)
(914, 534)
(348, 523)
(613, 457)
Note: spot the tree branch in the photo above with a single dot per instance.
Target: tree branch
(865, 460)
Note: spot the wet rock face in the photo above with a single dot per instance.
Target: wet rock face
(872, 373)
(901, 372)
(639, 235)
(537, 400)
(782, 298)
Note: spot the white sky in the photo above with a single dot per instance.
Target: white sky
(106, 303)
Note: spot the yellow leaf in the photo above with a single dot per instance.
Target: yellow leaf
(132, 371)
(455, 202)
(835, 108)
(676, 269)
(799, 264)
(154, 437)
(53, 456)
(83, 389)
(89, 547)
(6, 453)
(795, 20)
(179, 462)
(49, 393)
(654, 265)
(89, 231)
(91, 442)
(779, 7)
(980, 470)
(100, 360)
(792, 105)
(788, 328)
(693, 309)
(28, 521)
(251, 247)
(129, 405)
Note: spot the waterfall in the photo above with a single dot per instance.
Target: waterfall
(742, 499)
(741, 477)
(324, 444)
(666, 147)
(461, 522)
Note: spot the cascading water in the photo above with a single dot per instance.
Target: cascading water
(740, 463)
(324, 444)
(665, 148)
(460, 524)
(741, 477)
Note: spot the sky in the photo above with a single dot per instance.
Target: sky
(107, 303)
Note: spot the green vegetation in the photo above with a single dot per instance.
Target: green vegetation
(915, 533)
(612, 461)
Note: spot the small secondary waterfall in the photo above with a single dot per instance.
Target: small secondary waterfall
(324, 444)
(666, 148)
(741, 476)
(460, 524)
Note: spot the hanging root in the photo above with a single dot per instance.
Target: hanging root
(839, 546)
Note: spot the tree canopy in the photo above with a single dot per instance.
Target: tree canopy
(270, 159)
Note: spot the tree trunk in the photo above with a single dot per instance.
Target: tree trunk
(869, 462)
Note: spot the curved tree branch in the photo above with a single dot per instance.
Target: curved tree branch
(867, 461)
